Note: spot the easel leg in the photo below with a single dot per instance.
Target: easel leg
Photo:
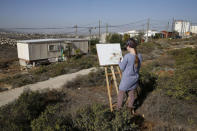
(119, 71)
(114, 78)
(108, 89)
(111, 85)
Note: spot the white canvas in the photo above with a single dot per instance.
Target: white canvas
(109, 54)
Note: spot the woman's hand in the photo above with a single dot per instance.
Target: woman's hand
(120, 59)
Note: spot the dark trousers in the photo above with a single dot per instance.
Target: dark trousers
(121, 97)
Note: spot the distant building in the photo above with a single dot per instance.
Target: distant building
(103, 37)
(132, 33)
(165, 34)
(193, 29)
(150, 33)
(182, 27)
(35, 51)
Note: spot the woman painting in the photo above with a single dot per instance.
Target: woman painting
(130, 67)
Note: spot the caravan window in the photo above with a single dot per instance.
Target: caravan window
(54, 47)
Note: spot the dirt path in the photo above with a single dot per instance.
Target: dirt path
(53, 83)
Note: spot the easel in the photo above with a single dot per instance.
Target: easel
(112, 79)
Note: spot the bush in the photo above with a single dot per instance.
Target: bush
(116, 38)
(182, 84)
(18, 115)
(147, 83)
(146, 47)
(91, 80)
(51, 120)
(97, 117)
(45, 72)
(91, 117)
(93, 43)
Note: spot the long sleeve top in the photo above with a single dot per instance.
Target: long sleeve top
(130, 74)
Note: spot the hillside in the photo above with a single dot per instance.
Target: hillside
(167, 95)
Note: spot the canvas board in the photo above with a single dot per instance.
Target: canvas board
(109, 54)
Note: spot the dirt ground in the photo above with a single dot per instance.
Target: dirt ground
(8, 61)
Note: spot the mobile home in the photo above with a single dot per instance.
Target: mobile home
(49, 50)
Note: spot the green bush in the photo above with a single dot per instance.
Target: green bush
(18, 115)
(91, 117)
(98, 117)
(93, 43)
(183, 84)
(45, 72)
(91, 80)
(116, 38)
(51, 120)
(18, 80)
(40, 70)
(148, 47)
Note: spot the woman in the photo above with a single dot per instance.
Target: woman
(130, 67)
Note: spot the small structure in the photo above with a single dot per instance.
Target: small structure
(133, 33)
(151, 33)
(32, 52)
(193, 29)
(182, 27)
(166, 34)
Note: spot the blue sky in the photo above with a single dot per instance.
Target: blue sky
(60, 13)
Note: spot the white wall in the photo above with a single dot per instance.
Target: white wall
(182, 27)
(23, 51)
(193, 29)
(150, 33)
(103, 38)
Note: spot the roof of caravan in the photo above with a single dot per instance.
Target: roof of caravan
(51, 40)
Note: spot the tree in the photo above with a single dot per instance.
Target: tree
(93, 43)
(115, 38)
(139, 37)
(126, 38)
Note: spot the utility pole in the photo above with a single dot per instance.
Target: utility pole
(172, 24)
(168, 26)
(184, 23)
(106, 28)
(190, 28)
(173, 28)
(99, 29)
(167, 29)
(143, 28)
(148, 24)
(75, 30)
(181, 28)
(90, 31)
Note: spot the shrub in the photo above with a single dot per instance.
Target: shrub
(146, 48)
(93, 43)
(51, 120)
(90, 117)
(45, 72)
(18, 115)
(116, 38)
(40, 70)
(147, 83)
(90, 80)
(182, 84)
(97, 117)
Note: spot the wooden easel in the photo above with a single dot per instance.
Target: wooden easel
(112, 79)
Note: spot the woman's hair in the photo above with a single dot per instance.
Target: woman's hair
(133, 44)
